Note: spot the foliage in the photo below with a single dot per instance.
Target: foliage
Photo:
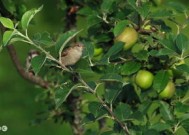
(109, 78)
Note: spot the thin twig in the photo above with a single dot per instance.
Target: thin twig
(123, 126)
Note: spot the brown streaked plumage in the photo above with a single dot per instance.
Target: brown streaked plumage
(72, 54)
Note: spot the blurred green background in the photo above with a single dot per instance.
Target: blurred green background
(17, 96)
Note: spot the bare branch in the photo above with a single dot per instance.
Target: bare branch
(26, 75)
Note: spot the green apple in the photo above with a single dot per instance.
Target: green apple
(168, 92)
(97, 51)
(144, 79)
(147, 27)
(129, 36)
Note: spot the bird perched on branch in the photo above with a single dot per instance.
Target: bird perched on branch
(32, 53)
(72, 55)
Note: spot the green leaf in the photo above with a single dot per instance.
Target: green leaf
(181, 131)
(160, 81)
(110, 133)
(88, 75)
(165, 111)
(144, 10)
(7, 37)
(88, 118)
(182, 43)
(116, 48)
(1, 48)
(130, 68)
(138, 118)
(161, 52)
(161, 14)
(184, 117)
(43, 38)
(92, 20)
(61, 94)
(7, 23)
(37, 63)
(123, 111)
(85, 11)
(10, 5)
(96, 109)
(120, 27)
(169, 43)
(152, 109)
(160, 127)
(150, 132)
(112, 91)
(142, 55)
(107, 5)
(28, 16)
(111, 77)
(180, 110)
(88, 50)
(177, 6)
(132, 3)
(183, 68)
(64, 39)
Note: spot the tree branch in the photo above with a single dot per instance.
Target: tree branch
(26, 75)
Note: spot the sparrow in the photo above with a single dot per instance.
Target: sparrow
(72, 55)
(31, 55)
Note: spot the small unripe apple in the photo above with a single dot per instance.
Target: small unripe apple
(97, 51)
(129, 36)
(147, 27)
(144, 79)
(168, 92)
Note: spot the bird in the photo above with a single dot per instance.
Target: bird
(32, 53)
(72, 54)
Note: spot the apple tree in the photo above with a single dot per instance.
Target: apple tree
(132, 77)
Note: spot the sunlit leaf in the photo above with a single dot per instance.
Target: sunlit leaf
(64, 39)
(181, 131)
(7, 37)
(7, 23)
(28, 16)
